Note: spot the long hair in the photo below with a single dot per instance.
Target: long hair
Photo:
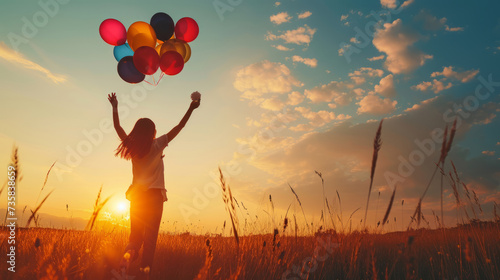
(138, 142)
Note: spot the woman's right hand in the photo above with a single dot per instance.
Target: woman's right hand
(112, 99)
(194, 104)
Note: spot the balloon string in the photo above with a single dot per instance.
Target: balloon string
(153, 79)
(159, 79)
(148, 82)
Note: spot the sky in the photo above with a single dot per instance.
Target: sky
(288, 88)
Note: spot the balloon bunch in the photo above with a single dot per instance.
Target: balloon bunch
(144, 48)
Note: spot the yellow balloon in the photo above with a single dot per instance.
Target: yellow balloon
(188, 52)
(158, 48)
(141, 34)
(173, 45)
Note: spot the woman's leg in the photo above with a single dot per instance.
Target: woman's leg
(137, 225)
(152, 226)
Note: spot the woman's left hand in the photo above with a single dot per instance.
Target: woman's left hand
(112, 99)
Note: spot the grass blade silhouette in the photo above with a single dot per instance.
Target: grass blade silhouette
(377, 144)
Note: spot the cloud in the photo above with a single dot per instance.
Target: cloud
(429, 21)
(454, 29)
(433, 23)
(391, 4)
(299, 36)
(463, 77)
(19, 60)
(380, 57)
(276, 4)
(488, 153)
(407, 3)
(436, 86)
(423, 103)
(354, 40)
(326, 93)
(373, 104)
(302, 127)
(359, 76)
(282, 48)
(344, 17)
(262, 80)
(295, 98)
(386, 86)
(280, 18)
(305, 14)
(311, 62)
(396, 41)
(320, 118)
(343, 49)
(273, 104)
(448, 73)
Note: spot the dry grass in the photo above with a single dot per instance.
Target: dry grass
(377, 144)
(227, 197)
(97, 209)
(469, 251)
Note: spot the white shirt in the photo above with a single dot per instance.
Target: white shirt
(148, 171)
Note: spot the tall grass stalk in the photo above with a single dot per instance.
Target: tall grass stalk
(45, 181)
(227, 197)
(324, 196)
(300, 204)
(445, 148)
(33, 213)
(391, 201)
(97, 209)
(377, 144)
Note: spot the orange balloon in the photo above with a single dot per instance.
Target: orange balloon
(173, 45)
(188, 52)
(141, 34)
(158, 48)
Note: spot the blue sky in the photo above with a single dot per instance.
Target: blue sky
(281, 98)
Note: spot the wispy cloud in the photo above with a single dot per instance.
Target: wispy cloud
(305, 14)
(299, 36)
(280, 18)
(18, 59)
(311, 62)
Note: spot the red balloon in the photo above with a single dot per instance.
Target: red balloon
(171, 63)
(186, 29)
(113, 32)
(146, 60)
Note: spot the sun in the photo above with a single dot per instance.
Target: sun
(121, 206)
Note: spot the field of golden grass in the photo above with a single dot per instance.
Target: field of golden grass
(467, 252)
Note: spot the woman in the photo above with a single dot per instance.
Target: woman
(147, 192)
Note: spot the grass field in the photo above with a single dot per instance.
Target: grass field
(469, 252)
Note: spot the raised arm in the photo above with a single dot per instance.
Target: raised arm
(116, 119)
(172, 133)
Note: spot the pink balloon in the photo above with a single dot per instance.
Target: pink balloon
(113, 32)
(186, 29)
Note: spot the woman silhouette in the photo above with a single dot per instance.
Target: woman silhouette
(147, 191)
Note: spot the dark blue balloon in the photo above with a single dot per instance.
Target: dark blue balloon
(163, 25)
(122, 51)
(128, 72)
